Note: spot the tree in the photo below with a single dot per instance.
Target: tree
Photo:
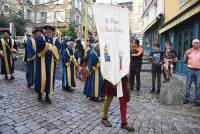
(20, 24)
(18, 21)
(4, 21)
(71, 30)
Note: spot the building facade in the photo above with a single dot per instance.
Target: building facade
(136, 26)
(128, 5)
(8, 7)
(58, 13)
(181, 24)
(152, 19)
(41, 12)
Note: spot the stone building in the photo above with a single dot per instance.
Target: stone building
(57, 13)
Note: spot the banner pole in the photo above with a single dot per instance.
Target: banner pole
(86, 24)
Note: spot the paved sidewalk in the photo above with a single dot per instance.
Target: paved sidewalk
(20, 112)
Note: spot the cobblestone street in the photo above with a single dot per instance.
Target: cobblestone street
(20, 112)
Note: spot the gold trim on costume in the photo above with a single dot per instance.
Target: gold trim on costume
(43, 74)
(55, 53)
(52, 76)
(33, 44)
(96, 85)
(5, 56)
(46, 48)
(15, 51)
(69, 71)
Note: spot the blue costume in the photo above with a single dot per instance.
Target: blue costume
(47, 54)
(94, 82)
(9, 48)
(31, 56)
(69, 68)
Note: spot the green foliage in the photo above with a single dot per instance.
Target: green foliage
(20, 24)
(18, 21)
(71, 30)
(4, 21)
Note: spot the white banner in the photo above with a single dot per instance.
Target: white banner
(112, 24)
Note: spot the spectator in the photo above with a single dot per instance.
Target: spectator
(169, 58)
(192, 60)
(170, 51)
(136, 64)
(156, 59)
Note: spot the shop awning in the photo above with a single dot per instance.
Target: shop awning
(180, 19)
(150, 25)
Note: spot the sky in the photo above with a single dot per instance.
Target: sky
(109, 1)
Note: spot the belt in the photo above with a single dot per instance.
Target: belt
(196, 69)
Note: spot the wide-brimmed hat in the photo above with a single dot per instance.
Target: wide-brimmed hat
(37, 30)
(48, 27)
(7, 31)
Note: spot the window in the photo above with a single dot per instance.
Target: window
(140, 8)
(156, 36)
(37, 2)
(50, 17)
(43, 17)
(59, 2)
(60, 16)
(28, 14)
(38, 17)
(179, 48)
(78, 4)
(182, 2)
(148, 37)
(77, 19)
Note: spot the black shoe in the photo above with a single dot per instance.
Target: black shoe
(64, 88)
(69, 89)
(138, 89)
(158, 91)
(152, 91)
(40, 97)
(48, 100)
(6, 77)
(185, 101)
(128, 128)
(12, 78)
(197, 104)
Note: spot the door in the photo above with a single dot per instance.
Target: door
(184, 42)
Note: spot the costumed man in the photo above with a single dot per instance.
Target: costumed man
(28, 37)
(31, 56)
(70, 66)
(8, 53)
(94, 81)
(47, 49)
(110, 91)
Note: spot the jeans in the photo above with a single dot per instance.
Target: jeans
(156, 73)
(192, 76)
(135, 72)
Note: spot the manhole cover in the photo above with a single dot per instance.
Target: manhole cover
(1, 97)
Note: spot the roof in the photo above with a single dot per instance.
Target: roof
(3, 28)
